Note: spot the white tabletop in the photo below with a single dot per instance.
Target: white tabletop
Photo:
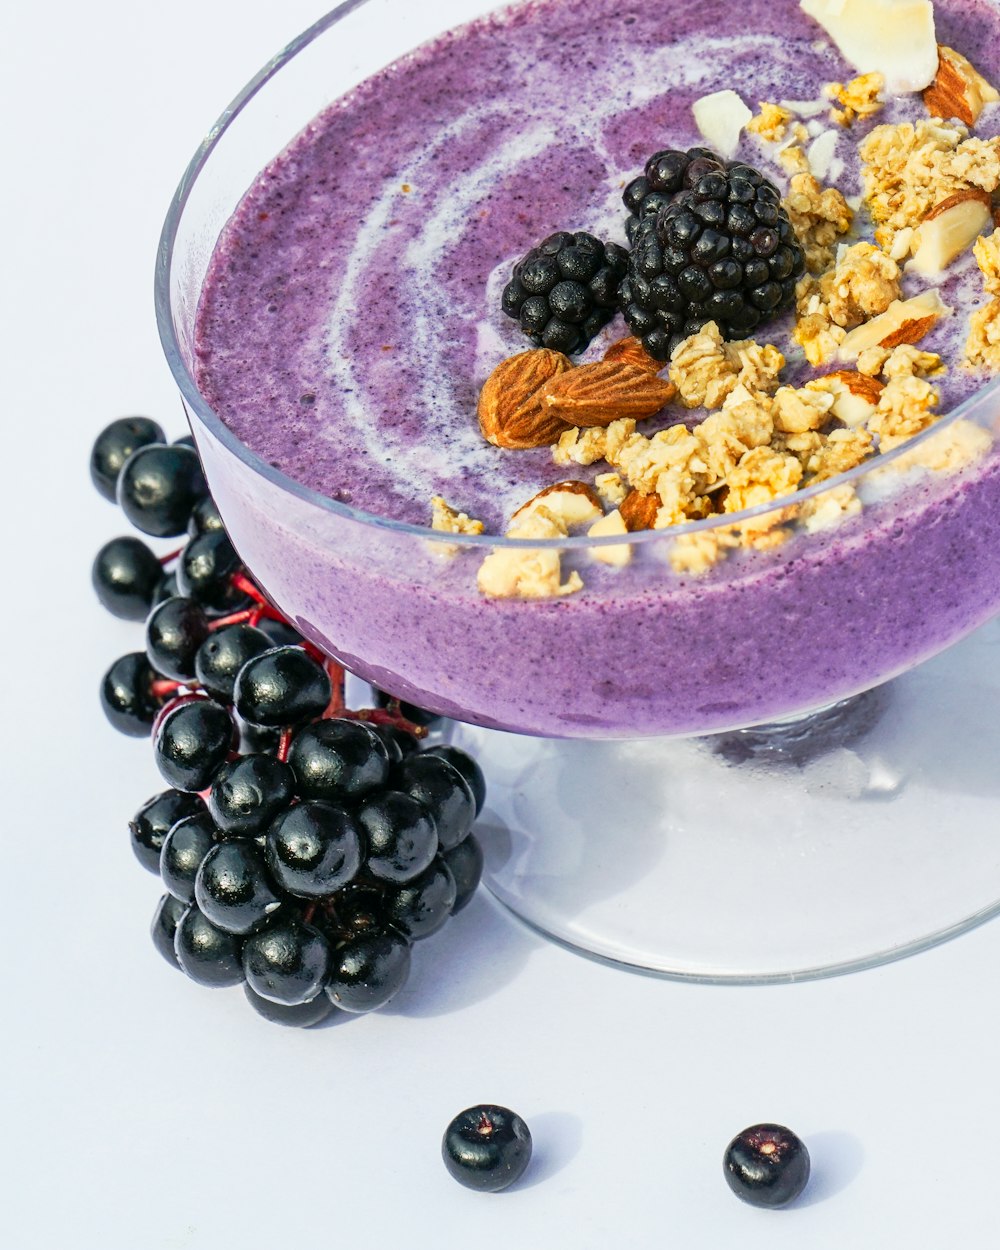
(142, 1112)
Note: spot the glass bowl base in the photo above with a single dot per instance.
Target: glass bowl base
(737, 858)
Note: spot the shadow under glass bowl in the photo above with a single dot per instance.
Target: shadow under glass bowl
(643, 650)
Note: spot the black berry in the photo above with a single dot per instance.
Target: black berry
(421, 906)
(127, 695)
(176, 629)
(299, 1016)
(155, 819)
(287, 963)
(337, 759)
(466, 864)
(766, 1165)
(192, 741)
(205, 572)
(233, 889)
(159, 486)
(442, 789)
(207, 954)
(126, 576)
(184, 850)
(401, 837)
(314, 849)
(368, 970)
(113, 446)
(281, 687)
(486, 1148)
(469, 769)
(163, 930)
(248, 793)
(223, 653)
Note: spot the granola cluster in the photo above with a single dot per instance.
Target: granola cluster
(858, 98)
(982, 351)
(862, 284)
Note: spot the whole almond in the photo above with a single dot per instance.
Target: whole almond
(572, 502)
(639, 511)
(629, 351)
(958, 89)
(596, 395)
(511, 411)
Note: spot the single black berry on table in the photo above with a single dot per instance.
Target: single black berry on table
(206, 569)
(469, 769)
(486, 1148)
(184, 850)
(566, 290)
(248, 793)
(287, 963)
(283, 686)
(159, 486)
(128, 697)
(126, 576)
(442, 789)
(466, 864)
(766, 1165)
(163, 930)
(113, 446)
(175, 631)
(400, 834)
(233, 889)
(420, 907)
(154, 820)
(368, 970)
(206, 953)
(338, 759)
(314, 849)
(223, 653)
(723, 250)
(192, 742)
(299, 1016)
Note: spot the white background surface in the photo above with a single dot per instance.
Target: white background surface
(142, 1112)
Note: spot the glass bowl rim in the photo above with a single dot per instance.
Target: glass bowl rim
(193, 398)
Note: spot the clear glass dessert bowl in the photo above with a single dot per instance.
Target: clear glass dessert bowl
(658, 853)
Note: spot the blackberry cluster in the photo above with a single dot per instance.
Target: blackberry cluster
(720, 249)
(566, 290)
(304, 848)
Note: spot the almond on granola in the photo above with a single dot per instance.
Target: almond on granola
(958, 89)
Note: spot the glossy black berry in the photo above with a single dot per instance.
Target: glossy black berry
(176, 629)
(159, 486)
(184, 850)
(466, 864)
(287, 963)
(722, 249)
(127, 695)
(338, 759)
(205, 517)
(368, 970)
(126, 576)
(399, 743)
(409, 711)
(154, 820)
(663, 178)
(206, 953)
(442, 789)
(469, 769)
(299, 1016)
(113, 446)
(205, 572)
(314, 849)
(400, 834)
(766, 1165)
(421, 906)
(192, 742)
(166, 918)
(486, 1148)
(248, 793)
(281, 687)
(565, 290)
(234, 890)
(223, 653)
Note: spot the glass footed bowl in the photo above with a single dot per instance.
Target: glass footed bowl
(646, 649)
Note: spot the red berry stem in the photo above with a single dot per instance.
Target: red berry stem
(337, 706)
(163, 686)
(284, 744)
(252, 616)
(250, 589)
(170, 556)
(386, 716)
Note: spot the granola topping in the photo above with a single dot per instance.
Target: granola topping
(858, 98)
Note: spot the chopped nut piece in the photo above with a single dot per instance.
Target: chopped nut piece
(958, 90)
(795, 412)
(639, 511)
(511, 413)
(904, 321)
(450, 521)
(909, 169)
(705, 369)
(987, 251)
(771, 123)
(611, 488)
(570, 503)
(855, 395)
(527, 572)
(819, 215)
(948, 230)
(616, 556)
(982, 351)
(858, 98)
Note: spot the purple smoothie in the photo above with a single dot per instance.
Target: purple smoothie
(349, 317)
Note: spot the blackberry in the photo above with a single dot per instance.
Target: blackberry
(565, 290)
(722, 249)
(666, 173)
